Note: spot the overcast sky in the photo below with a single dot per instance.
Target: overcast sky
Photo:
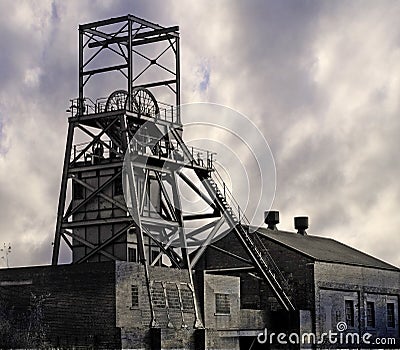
(320, 79)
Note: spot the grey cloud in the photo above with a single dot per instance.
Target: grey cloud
(318, 78)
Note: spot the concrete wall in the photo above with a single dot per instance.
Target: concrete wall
(176, 322)
(64, 305)
(216, 323)
(335, 283)
(224, 330)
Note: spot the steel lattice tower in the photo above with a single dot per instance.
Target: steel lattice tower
(136, 64)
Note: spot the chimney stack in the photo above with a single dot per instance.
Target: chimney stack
(271, 219)
(301, 224)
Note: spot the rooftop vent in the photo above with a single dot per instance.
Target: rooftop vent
(301, 224)
(271, 219)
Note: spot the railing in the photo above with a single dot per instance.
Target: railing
(93, 152)
(147, 146)
(231, 201)
(167, 112)
(278, 273)
(170, 149)
(257, 244)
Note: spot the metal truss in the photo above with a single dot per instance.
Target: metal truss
(120, 45)
(133, 140)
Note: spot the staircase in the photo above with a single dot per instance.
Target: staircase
(240, 225)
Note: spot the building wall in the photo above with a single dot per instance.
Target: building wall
(63, 305)
(224, 329)
(173, 314)
(295, 267)
(298, 271)
(216, 323)
(335, 283)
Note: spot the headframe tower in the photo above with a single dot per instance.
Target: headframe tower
(100, 128)
(132, 143)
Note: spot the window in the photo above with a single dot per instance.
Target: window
(78, 191)
(135, 296)
(222, 303)
(349, 312)
(370, 314)
(154, 254)
(132, 257)
(118, 190)
(390, 315)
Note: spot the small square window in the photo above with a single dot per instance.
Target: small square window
(390, 315)
(222, 303)
(135, 296)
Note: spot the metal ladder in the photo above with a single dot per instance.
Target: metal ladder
(250, 242)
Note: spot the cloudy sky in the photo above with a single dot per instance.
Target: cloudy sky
(320, 80)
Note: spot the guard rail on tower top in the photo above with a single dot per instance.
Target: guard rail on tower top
(167, 112)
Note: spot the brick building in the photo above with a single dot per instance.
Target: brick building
(106, 305)
(330, 282)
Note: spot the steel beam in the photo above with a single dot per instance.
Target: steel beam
(92, 195)
(231, 270)
(237, 257)
(189, 217)
(105, 243)
(82, 168)
(197, 190)
(104, 22)
(163, 34)
(90, 245)
(208, 240)
(105, 69)
(63, 194)
(84, 223)
(102, 195)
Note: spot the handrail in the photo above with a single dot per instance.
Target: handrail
(166, 113)
(82, 151)
(259, 245)
(144, 145)
(228, 194)
(271, 261)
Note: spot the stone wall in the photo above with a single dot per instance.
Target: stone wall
(173, 306)
(335, 283)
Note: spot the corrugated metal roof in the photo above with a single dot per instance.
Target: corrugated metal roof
(324, 249)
